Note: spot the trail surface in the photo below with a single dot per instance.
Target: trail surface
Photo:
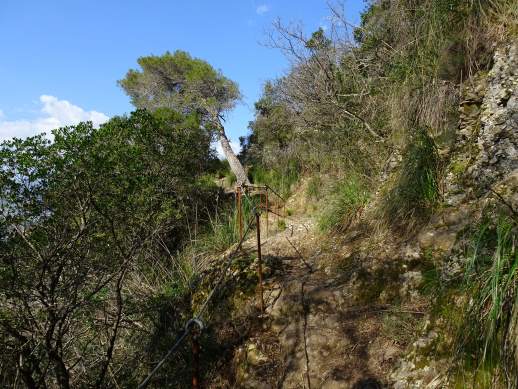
(313, 335)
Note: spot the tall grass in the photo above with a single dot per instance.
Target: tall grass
(224, 228)
(314, 187)
(280, 179)
(501, 20)
(488, 333)
(221, 233)
(347, 197)
(416, 188)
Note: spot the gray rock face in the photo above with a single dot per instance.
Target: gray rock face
(497, 140)
(484, 161)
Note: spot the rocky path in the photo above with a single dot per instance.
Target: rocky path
(313, 335)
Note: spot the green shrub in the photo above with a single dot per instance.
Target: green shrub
(416, 189)
(432, 283)
(223, 233)
(477, 309)
(344, 201)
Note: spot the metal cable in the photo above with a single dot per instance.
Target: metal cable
(227, 266)
(222, 275)
(275, 193)
(195, 319)
(167, 355)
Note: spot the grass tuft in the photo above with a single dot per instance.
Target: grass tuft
(313, 190)
(492, 277)
(488, 334)
(416, 190)
(280, 181)
(347, 197)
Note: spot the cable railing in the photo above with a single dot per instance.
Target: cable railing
(194, 326)
(196, 323)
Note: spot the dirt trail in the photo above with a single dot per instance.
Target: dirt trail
(314, 335)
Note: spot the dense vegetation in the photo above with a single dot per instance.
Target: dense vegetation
(98, 226)
(88, 224)
(368, 115)
(358, 99)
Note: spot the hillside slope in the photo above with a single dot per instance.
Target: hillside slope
(323, 327)
(371, 308)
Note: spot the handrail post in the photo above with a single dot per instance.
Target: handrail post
(259, 259)
(267, 211)
(195, 359)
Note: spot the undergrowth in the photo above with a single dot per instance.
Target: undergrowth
(415, 191)
(313, 189)
(477, 310)
(219, 234)
(222, 171)
(280, 179)
(223, 228)
(347, 198)
(488, 335)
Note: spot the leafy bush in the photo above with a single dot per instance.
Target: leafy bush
(87, 223)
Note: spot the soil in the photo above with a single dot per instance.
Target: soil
(317, 331)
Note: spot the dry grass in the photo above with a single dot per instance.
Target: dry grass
(501, 21)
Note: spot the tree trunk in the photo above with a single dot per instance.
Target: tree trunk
(235, 164)
(60, 369)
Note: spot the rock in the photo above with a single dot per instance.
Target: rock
(426, 238)
(426, 341)
(445, 240)
(431, 374)
(437, 239)
(410, 282)
(254, 356)
(390, 353)
(455, 199)
(456, 216)
(411, 252)
(497, 139)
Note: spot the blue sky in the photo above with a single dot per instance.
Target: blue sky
(60, 59)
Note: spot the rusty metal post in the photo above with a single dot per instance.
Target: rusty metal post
(259, 259)
(267, 212)
(195, 359)
(278, 212)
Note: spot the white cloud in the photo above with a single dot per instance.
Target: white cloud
(262, 9)
(235, 146)
(55, 113)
